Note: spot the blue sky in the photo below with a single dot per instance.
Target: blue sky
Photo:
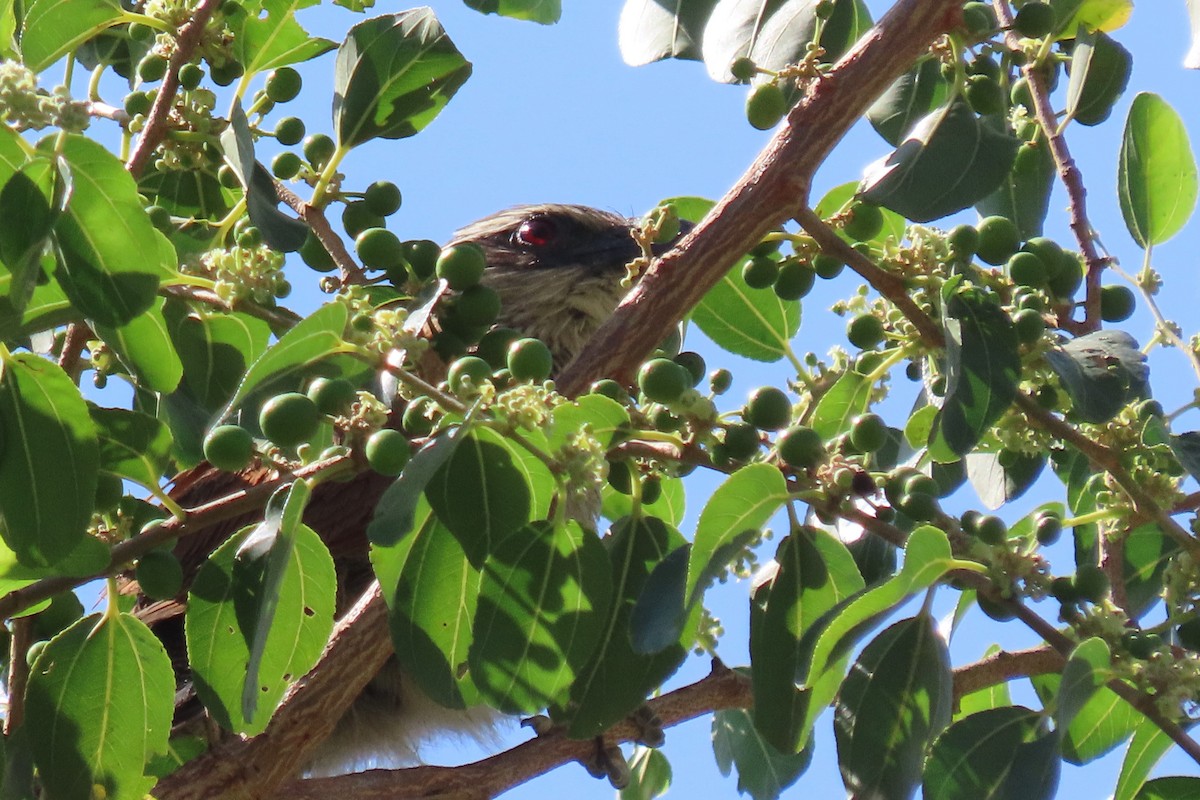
(553, 114)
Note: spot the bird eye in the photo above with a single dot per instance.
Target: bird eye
(536, 232)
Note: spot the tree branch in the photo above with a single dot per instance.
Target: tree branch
(773, 190)
(1003, 666)
(316, 220)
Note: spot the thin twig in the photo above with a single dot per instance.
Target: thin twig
(278, 318)
(316, 220)
(22, 638)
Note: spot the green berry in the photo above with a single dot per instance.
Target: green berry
(227, 73)
(493, 346)
(963, 239)
(768, 409)
(919, 506)
(461, 265)
(865, 331)
(467, 374)
(159, 574)
(997, 610)
(984, 94)
(998, 239)
(868, 433)
(1065, 281)
(478, 306)
(289, 419)
(138, 102)
(760, 273)
(314, 254)
(529, 360)
(283, 85)
(190, 76)
(383, 198)
(1091, 583)
(141, 32)
(801, 447)
(1035, 20)
(332, 396)
(865, 222)
(416, 419)
(228, 447)
(152, 68)
(796, 279)
(1029, 324)
(228, 177)
(379, 248)
(719, 381)
(984, 65)
(356, 218)
(1062, 589)
(1116, 303)
(1189, 634)
(663, 381)
(651, 490)
(1027, 269)
(979, 19)
(109, 491)
(827, 267)
(1048, 251)
(610, 389)
(620, 476)
(742, 441)
(765, 106)
(1021, 93)
(160, 218)
(991, 529)
(289, 131)
(286, 165)
(694, 363)
(387, 451)
(1048, 528)
(318, 149)
(422, 256)
(743, 69)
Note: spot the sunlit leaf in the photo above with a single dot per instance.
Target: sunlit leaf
(53, 27)
(132, 445)
(763, 771)
(545, 12)
(1156, 171)
(651, 30)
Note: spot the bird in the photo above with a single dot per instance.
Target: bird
(559, 271)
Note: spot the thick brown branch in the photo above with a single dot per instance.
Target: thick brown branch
(1003, 666)
(156, 120)
(721, 689)
(773, 190)
(76, 338)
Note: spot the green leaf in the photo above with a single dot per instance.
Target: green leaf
(896, 699)
(314, 338)
(396, 512)
(1101, 371)
(49, 461)
(1148, 745)
(54, 27)
(815, 572)
(669, 506)
(744, 502)
(432, 592)
(949, 161)
(997, 484)
(982, 368)
(31, 202)
(649, 775)
(753, 323)
(911, 97)
(270, 37)
(989, 754)
(1102, 723)
(480, 494)
(651, 30)
(545, 12)
(1024, 195)
(101, 699)
(542, 604)
(220, 625)
(132, 445)
(143, 345)
(661, 613)
(989, 697)
(617, 679)
(215, 350)
(763, 771)
(849, 396)
(1173, 787)
(393, 75)
(1100, 69)
(1086, 671)
(786, 34)
(1156, 171)
(603, 416)
(732, 31)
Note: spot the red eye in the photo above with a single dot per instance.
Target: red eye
(536, 232)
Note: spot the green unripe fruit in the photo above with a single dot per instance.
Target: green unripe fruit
(743, 69)
(801, 447)
(765, 106)
(190, 76)
(1091, 583)
(227, 73)
(379, 248)
(159, 575)
(760, 273)
(663, 381)
(1048, 528)
(963, 239)
(467, 374)
(160, 218)
(979, 19)
(998, 239)
(865, 222)
(1067, 279)
(991, 529)
(286, 165)
(289, 419)
(422, 256)
(610, 389)
(416, 420)
(694, 363)
(249, 237)
(1029, 325)
(152, 68)
(314, 254)
(318, 149)
(1048, 251)
(332, 396)
(283, 85)
(825, 9)
(356, 218)
(768, 409)
(1021, 93)
(109, 491)
(1189, 634)
(651, 490)
(1149, 408)
(529, 360)
(1027, 269)
(493, 346)
(478, 306)
(383, 198)
(141, 32)
(228, 447)
(984, 94)
(461, 265)
(795, 280)
(138, 102)
(868, 433)
(827, 267)
(1035, 20)
(997, 610)
(984, 65)
(620, 476)
(920, 483)
(1062, 589)
(387, 451)
(742, 441)
(1116, 303)
(1139, 644)
(289, 131)
(719, 381)
(919, 506)
(865, 331)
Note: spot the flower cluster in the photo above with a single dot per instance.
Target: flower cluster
(25, 107)
(243, 273)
